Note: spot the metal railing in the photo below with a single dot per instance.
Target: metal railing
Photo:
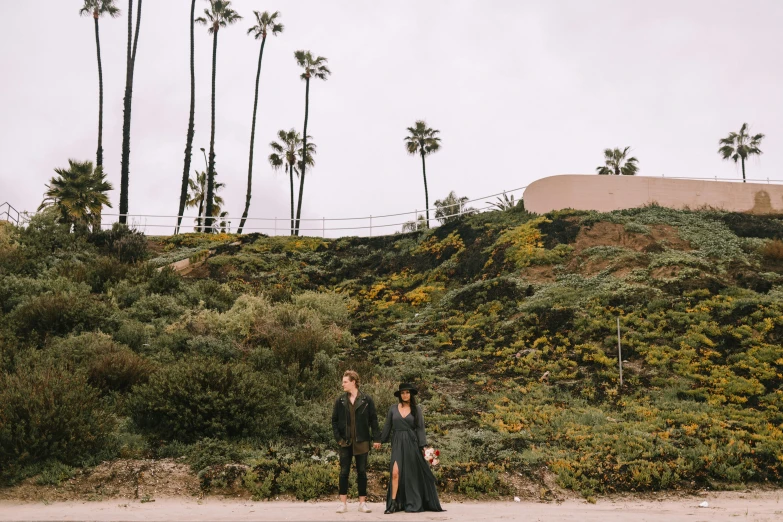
(9, 213)
(329, 227)
(155, 224)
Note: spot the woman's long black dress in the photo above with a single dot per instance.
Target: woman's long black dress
(416, 489)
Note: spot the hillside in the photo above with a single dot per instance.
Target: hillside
(507, 321)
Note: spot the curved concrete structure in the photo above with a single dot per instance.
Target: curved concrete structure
(607, 193)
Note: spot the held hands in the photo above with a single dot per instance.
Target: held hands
(376, 445)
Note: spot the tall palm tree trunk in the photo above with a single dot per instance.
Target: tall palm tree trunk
(211, 169)
(183, 195)
(743, 170)
(426, 193)
(126, 122)
(200, 221)
(304, 158)
(99, 153)
(291, 176)
(252, 141)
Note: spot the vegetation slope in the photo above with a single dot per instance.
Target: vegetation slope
(507, 322)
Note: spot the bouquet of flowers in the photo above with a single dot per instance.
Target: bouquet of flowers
(431, 455)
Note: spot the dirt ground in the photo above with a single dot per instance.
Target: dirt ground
(760, 506)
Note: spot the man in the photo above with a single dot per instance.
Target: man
(355, 423)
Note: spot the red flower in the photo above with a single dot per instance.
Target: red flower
(437, 453)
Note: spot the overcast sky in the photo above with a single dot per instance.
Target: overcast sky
(519, 89)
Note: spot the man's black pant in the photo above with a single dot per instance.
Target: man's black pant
(346, 454)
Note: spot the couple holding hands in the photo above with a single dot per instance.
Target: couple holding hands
(355, 424)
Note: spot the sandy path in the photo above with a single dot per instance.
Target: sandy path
(734, 506)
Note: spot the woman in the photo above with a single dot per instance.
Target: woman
(412, 485)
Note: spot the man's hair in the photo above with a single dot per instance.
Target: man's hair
(353, 376)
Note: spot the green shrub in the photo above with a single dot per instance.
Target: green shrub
(259, 484)
(48, 412)
(134, 334)
(331, 307)
(42, 316)
(308, 481)
(53, 473)
(103, 272)
(211, 452)
(155, 306)
(209, 346)
(109, 366)
(480, 482)
(126, 244)
(44, 234)
(172, 450)
(197, 398)
(118, 371)
(213, 295)
(15, 289)
(164, 281)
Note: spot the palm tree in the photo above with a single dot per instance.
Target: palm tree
(218, 15)
(98, 8)
(183, 193)
(451, 208)
(740, 146)
(79, 194)
(265, 23)
(423, 140)
(506, 203)
(198, 195)
(313, 68)
(130, 64)
(286, 152)
(414, 225)
(618, 163)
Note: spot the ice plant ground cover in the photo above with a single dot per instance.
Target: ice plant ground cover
(506, 321)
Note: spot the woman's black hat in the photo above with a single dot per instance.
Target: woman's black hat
(406, 386)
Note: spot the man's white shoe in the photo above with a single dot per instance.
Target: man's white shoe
(363, 508)
(343, 509)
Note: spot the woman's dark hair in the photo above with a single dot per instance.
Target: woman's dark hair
(414, 411)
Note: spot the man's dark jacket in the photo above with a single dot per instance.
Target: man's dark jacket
(366, 419)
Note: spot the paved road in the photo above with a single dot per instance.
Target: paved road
(756, 507)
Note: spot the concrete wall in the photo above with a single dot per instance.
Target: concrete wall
(606, 193)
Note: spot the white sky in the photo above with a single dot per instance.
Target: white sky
(519, 90)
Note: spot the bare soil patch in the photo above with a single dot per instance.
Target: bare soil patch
(119, 479)
(613, 234)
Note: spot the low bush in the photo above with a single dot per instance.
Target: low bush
(126, 244)
(48, 412)
(773, 250)
(164, 281)
(479, 483)
(46, 315)
(197, 398)
(259, 484)
(308, 481)
(211, 452)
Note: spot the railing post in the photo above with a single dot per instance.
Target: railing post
(323, 228)
(275, 225)
(370, 226)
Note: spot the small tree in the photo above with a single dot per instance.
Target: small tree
(451, 208)
(506, 203)
(618, 163)
(412, 226)
(739, 146)
(79, 194)
(197, 197)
